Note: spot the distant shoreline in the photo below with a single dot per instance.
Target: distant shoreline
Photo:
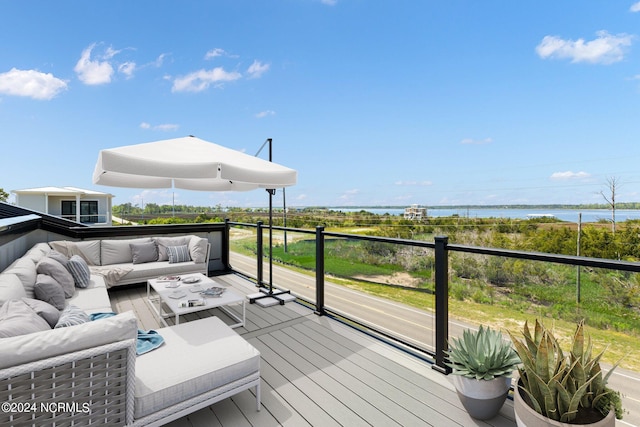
(621, 206)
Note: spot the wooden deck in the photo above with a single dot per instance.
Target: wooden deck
(317, 371)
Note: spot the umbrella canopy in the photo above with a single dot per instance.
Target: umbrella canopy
(189, 163)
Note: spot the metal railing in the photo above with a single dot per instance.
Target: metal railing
(442, 250)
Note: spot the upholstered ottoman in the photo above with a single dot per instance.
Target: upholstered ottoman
(201, 362)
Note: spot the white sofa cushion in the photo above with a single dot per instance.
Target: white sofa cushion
(87, 249)
(197, 356)
(18, 318)
(37, 252)
(42, 247)
(151, 270)
(10, 287)
(118, 251)
(25, 269)
(22, 349)
(94, 298)
(198, 249)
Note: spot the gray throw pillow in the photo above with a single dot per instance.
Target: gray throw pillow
(56, 270)
(144, 252)
(178, 254)
(48, 312)
(58, 256)
(72, 316)
(49, 291)
(17, 318)
(79, 269)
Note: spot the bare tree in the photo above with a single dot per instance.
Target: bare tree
(612, 184)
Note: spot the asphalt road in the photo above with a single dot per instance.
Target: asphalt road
(413, 325)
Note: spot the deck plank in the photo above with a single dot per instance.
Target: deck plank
(403, 406)
(368, 404)
(296, 389)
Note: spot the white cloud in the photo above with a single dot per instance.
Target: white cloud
(605, 49)
(569, 175)
(202, 79)
(94, 72)
(213, 53)
(127, 68)
(256, 69)
(414, 183)
(31, 83)
(472, 141)
(263, 114)
(329, 2)
(167, 127)
(635, 7)
(160, 60)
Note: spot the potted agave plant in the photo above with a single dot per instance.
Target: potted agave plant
(558, 389)
(482, 363)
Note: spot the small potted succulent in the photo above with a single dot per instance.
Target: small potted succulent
(482, 363)
(558, 389)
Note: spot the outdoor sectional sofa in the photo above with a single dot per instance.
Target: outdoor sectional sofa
(89, 371)
(129, 261)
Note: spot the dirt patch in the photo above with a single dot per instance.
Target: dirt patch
(399, 278)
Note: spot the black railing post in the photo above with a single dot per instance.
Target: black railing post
(442, 303)
(259, 248)
(226, 261)
(319, 270)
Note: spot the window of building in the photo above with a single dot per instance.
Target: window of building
(88, 210)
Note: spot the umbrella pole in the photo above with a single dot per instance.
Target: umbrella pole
(270, 293)
(271, 240)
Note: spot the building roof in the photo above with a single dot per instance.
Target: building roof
(10, 214)
(61, 191)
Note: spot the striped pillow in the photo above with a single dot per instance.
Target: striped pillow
(71, 316)
(178, 254)
(79, 269)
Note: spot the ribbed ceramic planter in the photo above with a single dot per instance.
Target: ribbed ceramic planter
(527, 417)
(482, 399)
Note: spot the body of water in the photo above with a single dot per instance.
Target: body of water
(571, 215)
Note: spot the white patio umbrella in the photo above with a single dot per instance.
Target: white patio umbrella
(191, 163)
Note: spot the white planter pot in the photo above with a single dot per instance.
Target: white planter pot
(482, 399)
(527, 417)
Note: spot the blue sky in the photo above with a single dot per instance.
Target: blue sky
(372, 102)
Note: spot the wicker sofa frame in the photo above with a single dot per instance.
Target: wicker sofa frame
(101, 379)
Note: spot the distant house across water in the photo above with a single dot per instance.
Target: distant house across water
(75, 204)
(415, 212)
